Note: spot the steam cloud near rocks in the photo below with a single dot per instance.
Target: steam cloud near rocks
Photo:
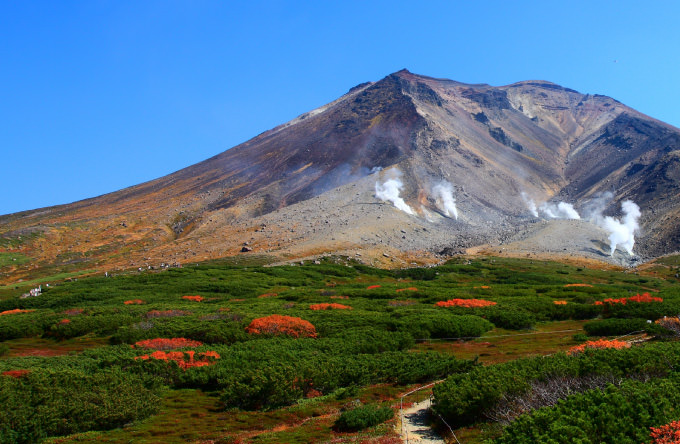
(621, 232)
(443, 195)
(561, 210)
(551, 210)
(390, 189)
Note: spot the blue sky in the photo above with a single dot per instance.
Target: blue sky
(99, 95)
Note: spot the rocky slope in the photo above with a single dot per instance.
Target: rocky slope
(309, 186)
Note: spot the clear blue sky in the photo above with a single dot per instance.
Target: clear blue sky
(96, 96)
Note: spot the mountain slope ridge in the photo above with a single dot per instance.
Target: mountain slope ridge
(493, 144)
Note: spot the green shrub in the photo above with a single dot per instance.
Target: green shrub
(362, 417)
(616, 415)
(614, 326)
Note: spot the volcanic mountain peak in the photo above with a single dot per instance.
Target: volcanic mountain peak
(472, 162)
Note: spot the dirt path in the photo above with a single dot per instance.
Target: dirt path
(415, 425)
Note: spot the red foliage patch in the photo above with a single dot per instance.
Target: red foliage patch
(193, 298)
(666, 434)
(644, 298)
(326, 306)
(339, 297)
(15, 311)
(16, 373)
(167, 313)
(407, 289)
(282, 325)
(469, 303)
(64, 322)
(185, 360)
(372, 287)
(268, 295)
(560, 302)
(134, 302)
(600, 343)
(167, 343)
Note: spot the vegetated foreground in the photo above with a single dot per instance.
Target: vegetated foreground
(322, 353)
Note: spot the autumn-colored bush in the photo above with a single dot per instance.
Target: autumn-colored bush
(666, 434)
(268, 295)
(64, 321)
(16, 373)
(407, 289)
(339, 297)
(469, 303)
(15, 311)
(167, 343)
(578, 285)
(373, 287)
(167, 313)
(485, 287)
(670, 323)
(332, 306)
(193, 298)
(134, 302)
(560, 302)
(282, 325)
(644, 298)
(600, 343)
(185, 360)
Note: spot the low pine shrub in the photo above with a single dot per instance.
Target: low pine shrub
(363, 417)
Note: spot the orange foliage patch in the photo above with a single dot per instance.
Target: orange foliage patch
(167, 343)
(64, 321)
(339, 297)
(372, 287)
(578, 285)
(644, 298)
(325, 306)
(282, 325)
(469, 303)
(134, 302)
(560, 302)
(193, 298)
(185, 360)
(666, 434)
(268, 295)
(485, 287)
(600, 343)
(15, 311)
(407, 289)
(16, 373)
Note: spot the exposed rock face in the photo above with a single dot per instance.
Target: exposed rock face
(494, 144)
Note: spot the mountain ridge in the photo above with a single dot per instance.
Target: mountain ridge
(497, 146)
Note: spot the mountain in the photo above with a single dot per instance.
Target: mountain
(309, 186)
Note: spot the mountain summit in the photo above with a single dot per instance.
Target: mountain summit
(404, 168)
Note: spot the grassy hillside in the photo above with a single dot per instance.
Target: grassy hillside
(235, 353)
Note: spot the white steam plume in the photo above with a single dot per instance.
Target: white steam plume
(389, 191)
(443, 195)
(621, 232)
(560, 210)
(531, 205)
